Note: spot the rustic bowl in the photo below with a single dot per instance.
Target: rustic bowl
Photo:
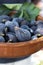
(21, 49)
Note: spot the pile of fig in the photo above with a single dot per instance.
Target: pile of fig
(19, 29)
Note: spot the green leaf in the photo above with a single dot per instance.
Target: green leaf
(30, 8)
(33, 13)
(30, 11)
(26, 16)
(21, 15)
(24, 6)
(15, 6)
(4, 10)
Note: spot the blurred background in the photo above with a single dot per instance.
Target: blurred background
(17, 1)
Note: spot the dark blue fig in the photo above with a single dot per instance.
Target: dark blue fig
(24, 22)
(2, 39)
(4, 18)
(40, 24)
(12, 37)
(34, 27)
(32, 22)
(27, 27)
(21, 21)
(22, 34)
(39, 31)
(2, 27)
(11, 25)
(34, 37)
(31, 31)
(15, 19)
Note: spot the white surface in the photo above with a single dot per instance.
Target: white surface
(34, 59)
